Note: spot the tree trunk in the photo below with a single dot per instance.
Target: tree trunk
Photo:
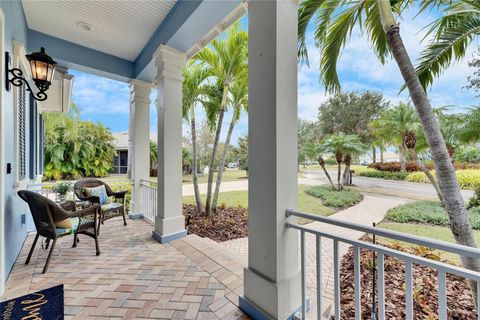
(402, 157)
(346, 172)
(222, 162)
(321, 162)
(447, 180)
(374, 154)
(381, 155)
(198, 198)
(429, 175)
(339, 174)
(211, 171)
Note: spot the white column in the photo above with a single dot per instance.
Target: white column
(139, 140)
(272, 279)
(169, 223)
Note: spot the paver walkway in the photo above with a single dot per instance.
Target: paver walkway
(371, 209)
(135, 277)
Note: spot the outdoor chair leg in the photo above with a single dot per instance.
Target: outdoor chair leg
(97, 247)
(49, 256)
(47, 244)
(75, 240)
(32, 248)
(124, 219)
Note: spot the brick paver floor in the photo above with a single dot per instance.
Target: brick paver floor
(371, 209)
(135, 277)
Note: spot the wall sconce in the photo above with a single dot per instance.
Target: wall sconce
(42, 67)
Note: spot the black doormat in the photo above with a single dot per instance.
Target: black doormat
(45, 305)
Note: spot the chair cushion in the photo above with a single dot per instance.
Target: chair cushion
(62, 231)
(65, 224)
(99, 192)
(111, 206)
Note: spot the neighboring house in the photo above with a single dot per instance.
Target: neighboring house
(120, 163)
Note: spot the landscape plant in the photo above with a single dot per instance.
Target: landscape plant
(334, 23)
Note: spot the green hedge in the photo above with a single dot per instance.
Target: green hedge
(428, 212)
(384, 174)
(333, 198)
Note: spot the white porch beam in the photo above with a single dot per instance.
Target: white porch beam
(272, 279)
(169, 222)
(139, 141)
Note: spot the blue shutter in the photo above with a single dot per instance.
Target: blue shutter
(33, 139)
(41, 144)
(22, 119)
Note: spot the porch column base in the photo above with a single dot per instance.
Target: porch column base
(169, 237)
(278, 301)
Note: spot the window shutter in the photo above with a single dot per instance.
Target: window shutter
(22, 119)
(33, 139)
(41, 144)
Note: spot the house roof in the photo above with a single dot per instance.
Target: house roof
(121, 139)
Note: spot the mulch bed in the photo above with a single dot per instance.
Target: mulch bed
(226, 224)
(460, 303)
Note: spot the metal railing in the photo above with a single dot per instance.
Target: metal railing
(409, 259)
(149, 200)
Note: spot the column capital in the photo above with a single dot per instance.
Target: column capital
(169, 62)
(140, 91)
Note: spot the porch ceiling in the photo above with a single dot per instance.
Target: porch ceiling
(124, 34)
(120, 28)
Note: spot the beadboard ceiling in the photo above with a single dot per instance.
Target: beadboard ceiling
(119, 28)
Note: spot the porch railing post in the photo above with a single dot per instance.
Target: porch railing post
(169, 222)
(139, 141)
(272, 286)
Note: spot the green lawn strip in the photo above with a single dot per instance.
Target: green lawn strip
(228, 175)
(333, 198)
(240, 198)
(427, 212)
(426, 231)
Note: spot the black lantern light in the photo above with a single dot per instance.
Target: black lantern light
(42, 67)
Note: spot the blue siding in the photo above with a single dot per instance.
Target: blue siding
(15, 231)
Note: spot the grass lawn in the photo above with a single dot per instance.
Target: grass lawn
(228, 175)
(240, 198)
(427, 231)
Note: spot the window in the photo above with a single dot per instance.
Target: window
(33, 139)
(22, 119)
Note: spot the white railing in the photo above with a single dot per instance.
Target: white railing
(409, 259)
(149, 200)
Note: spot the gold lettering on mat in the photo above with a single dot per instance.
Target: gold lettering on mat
(6, 315)
(33, 306)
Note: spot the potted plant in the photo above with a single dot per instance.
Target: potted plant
(61, 189)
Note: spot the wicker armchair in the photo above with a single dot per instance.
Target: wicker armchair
(46, 213)
(107, 211)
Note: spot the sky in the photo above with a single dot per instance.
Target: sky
(107, 101)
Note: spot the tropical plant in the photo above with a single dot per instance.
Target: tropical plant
(470, 132)
(238, 102)
(153, 150)
(343, 147)
(308, 135)
(468, 154)
(75, 148)
(62, 187)
(334, 22)
(226, 61)
(193, 89)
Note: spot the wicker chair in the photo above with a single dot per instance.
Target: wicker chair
(46, 213)
(107, 211)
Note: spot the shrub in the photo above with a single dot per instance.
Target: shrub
(62, 188)
(467, 179)
(428, 212)
(384, 175)
(121, 186)
(333, 198)
(394, 166)
(475, 200)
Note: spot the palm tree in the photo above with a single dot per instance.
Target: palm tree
(238, 101)
(153, 150)
(226, 61)
(192, 91)
(394, 124)
(470, 132)
(334, 23)
(343, 146)
(315, 151)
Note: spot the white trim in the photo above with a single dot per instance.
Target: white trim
(2, 154)
(20, 61)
